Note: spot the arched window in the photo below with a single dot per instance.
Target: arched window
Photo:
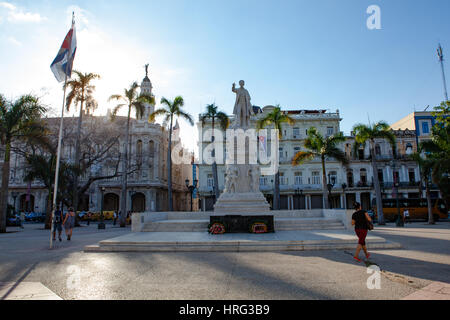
(377, 150)
(350, 178)
(139, 148)
(363, 176)
(151, 149)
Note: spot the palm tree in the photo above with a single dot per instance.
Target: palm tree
(318, 146)
(19, 122)
(132, 100)
(81, 91)
(364, 133)
(276, 118)
(170, 110)
(426, 166)
(213, 114)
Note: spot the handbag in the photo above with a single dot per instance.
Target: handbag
(369, 225)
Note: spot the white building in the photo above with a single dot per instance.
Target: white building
(301, 186)
(147, 181)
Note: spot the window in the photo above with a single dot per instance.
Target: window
(396, 177)
(409, 148)
(262, 181)
(425, 128)
(380, 175)
(296, 132)
(363, 176)
(333, 177)
(315, 177)
(412, 176)
(280, 153)
(377, 149)
(298, 178)
(283, 179)
(350, 178)
(151, 148)
(210, 181)
(330, 131)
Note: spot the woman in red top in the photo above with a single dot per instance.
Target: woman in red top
(360, 220)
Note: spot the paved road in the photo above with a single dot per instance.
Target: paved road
(72, 274)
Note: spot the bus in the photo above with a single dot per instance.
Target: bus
(418, 208)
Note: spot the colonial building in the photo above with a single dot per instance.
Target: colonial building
(301, 186)
(103, 143)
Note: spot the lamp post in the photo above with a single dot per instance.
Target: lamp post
(101, 225)
(191, 188)
(344, 186)
(299, 194)
(14, 195)
(329, 187)
(399, 221)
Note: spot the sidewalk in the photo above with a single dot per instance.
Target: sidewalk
(434, 291)
(26, 291)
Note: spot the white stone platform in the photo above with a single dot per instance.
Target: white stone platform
(202, 241)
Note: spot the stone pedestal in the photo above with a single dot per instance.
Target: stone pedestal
(241, 194)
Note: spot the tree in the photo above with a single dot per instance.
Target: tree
(323, 148)
(170, 110)
(42, 168)
(132, 100)
(276, 118)
(364, 133)
(438, 149)
(81, 91)
(213, 114)
(426, 166)
(19, 122)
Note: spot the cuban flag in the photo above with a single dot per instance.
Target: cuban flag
(262, 143)
(62, 65)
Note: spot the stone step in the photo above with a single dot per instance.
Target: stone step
(237, 246)
(281, 224)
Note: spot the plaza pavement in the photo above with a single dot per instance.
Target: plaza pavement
(419, 270)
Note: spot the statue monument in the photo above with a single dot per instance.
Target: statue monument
(241, 194)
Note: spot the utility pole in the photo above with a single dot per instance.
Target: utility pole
(441, 60)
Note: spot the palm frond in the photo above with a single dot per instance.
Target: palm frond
(302, 157)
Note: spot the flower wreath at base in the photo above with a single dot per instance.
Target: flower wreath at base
(258, 227)
(216, 228)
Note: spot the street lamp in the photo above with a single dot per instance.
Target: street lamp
(330, 187)
(344, 186)
(101, 225)
(14, 195)
(191, 189)
(299, 194)
(399, 222)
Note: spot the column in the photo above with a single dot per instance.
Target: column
(156, 161)
(358, 197)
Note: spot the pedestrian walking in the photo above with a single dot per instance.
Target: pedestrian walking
(57, 223)
(114, 218)
(69, 223)
(88, 217)
(405, 215)
(361, 220)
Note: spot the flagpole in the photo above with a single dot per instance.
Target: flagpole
(61, 125)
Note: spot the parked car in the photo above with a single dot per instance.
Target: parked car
(29, 216)
(13, 221)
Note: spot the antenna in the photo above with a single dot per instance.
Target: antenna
(441, 60)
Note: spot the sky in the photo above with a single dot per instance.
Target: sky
(298, 54)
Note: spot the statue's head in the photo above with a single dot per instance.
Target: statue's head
(241, 83)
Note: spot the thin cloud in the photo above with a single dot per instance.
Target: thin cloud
(17, 15)
(14, 41)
